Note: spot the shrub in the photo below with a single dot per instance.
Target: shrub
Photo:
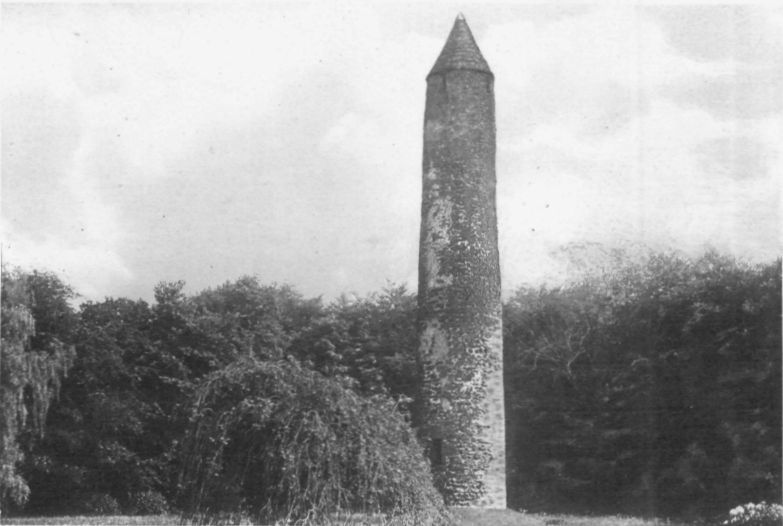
(148, 503)
(761, 514)
(99, 504)
(276, 441)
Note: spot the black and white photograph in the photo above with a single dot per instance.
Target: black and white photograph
(391, 263)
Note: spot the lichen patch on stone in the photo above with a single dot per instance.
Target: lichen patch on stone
(438, 221)
(433, 343)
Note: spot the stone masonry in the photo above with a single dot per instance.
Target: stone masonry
(460, 327)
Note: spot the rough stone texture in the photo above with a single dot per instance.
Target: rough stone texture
(460, 329)
(460, 51)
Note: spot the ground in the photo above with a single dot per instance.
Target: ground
(463, 517)
(474, 517)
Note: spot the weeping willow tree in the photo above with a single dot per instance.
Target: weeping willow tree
(30, 373)
(273, 440)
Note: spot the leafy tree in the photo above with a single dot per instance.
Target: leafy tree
(110, 433)
(370, 343)
(653, 387)
(36, 355)
(113, 436)
(650, 384)
(273, 440)
(253, 319)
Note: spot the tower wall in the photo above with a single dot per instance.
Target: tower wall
(460, 322)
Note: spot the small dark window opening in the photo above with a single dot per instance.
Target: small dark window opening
(436, 452)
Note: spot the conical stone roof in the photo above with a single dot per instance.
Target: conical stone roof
(460, 51)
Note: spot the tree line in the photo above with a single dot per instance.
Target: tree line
(654, 388)
(649, 387)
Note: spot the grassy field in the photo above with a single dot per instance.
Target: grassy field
(463, 517)
(470, 517)
(151, 520)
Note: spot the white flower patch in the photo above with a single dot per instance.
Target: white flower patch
(760, 514)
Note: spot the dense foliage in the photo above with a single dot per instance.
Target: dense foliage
(112, 442)
(36, 355)
(272, 440)
(370, 342)
(652, 386)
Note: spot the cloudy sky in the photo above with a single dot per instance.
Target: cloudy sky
(151, 142)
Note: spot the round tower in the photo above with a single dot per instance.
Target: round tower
(460, 324)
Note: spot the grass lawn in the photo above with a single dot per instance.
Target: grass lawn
(463, 517)
(473, 517)
(151, 520)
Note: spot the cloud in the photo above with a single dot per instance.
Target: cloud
(40, 134)
(197, 142)
(54, 213)
(713, 33)
(736, 157)
(594, 145)
(745, 94)
(91, 269)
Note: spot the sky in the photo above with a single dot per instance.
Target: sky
(154, 142)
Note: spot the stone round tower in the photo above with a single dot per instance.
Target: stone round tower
(460, 325)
